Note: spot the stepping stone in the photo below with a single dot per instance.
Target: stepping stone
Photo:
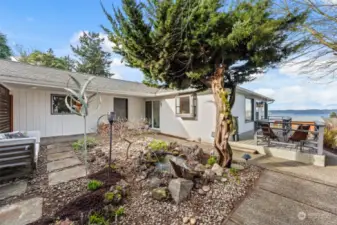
(64, 163)
(21, 213)
(59, 149)
(12, 189)
(60, 155)
(66, 175)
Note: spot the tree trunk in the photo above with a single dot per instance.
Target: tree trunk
(224, 121)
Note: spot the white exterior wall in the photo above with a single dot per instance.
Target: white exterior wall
(32, 111)
(203, 126)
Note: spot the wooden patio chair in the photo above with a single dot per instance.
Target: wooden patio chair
(300, 135)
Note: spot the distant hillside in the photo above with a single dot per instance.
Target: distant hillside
(306, 111)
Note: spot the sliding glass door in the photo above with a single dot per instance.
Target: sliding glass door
(152, 113)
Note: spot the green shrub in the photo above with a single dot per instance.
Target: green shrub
(109, 196)
(120, 211)
(211, 160)
(94, 185)
(156, 145)
(330, 138)
(97, 219)
(79, 144)
(233, 171)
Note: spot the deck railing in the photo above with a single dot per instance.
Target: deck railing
(287, 127)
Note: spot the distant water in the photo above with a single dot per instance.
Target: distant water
(302, 115)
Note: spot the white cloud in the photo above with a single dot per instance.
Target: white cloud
(117, 62)
(107, 45)
(266, 91)
(117, 76)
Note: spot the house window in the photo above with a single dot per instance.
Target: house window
(121, 108)
(249, 110)
(58, 105)
(186, 106)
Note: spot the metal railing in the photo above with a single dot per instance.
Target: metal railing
(287, 127)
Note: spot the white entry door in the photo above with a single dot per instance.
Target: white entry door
(152, 113)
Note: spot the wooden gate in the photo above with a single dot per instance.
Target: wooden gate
(5, 110)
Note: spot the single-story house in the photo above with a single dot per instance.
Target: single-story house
(32, 98)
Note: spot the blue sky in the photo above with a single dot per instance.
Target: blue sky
(45, 24)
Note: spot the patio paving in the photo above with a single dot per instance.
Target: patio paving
(63, 159)
(59, 155)
(12, 189)
(63, 163)
(21, 213)
(66, 175)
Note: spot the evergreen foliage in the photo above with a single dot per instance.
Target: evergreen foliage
(92, 59)
(5, 51)
(202, 44)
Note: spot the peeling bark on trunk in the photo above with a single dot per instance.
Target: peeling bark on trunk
(224, 121)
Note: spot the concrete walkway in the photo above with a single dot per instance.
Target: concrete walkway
(63, 165)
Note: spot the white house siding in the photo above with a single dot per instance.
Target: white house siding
(203, 126)
(32, 111)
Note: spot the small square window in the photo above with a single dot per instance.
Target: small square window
(186, 106)
(58, 105)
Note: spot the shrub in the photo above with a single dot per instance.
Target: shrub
(79, 144)
(233, 171)
(156, 145)
(97, 219)
(330, 138)
(211, 160)
(94, 185)
(109, 196)
(119, 211)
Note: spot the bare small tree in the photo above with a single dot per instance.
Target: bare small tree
(124, 130)
(319, 58)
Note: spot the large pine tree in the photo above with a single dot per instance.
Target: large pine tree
(202, 44)
(92, 59)
(5, 51)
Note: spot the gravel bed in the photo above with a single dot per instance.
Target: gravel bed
(210, 208)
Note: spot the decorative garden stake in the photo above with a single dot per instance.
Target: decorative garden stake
(246, 157)
(111, 118)
(77, 102)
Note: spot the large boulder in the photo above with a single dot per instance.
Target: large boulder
(217, 169)
(180, 168)
(160, 193)
(180, 189)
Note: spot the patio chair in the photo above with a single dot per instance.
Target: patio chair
(300, 135)
(267, 133)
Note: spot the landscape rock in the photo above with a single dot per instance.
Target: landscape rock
(193, 221)
(160, 193)
(186, 220)
(217, 169)
(200, 168)
(224, 179)
(179, 168)
(206, 188)
(154, 182)
(180, 189)
(201, 192)
(209, 175)
(237, 166)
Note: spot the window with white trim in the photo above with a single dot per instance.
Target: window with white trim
(186, 106)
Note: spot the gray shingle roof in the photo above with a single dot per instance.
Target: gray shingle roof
(22, 73)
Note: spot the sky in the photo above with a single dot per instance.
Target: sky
(41, 24)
